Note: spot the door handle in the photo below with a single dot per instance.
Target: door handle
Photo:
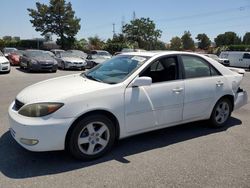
(219, 83)
(177, 90)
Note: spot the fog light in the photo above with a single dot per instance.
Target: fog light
(29, 142)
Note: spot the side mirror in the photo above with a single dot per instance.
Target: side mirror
(142, 81)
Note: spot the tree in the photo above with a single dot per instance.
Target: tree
(246, 38)
(204, 42)
(117, 43)
(57, 18)
(187, 41)
(95, 43)
(175, 43)
(143, 32)
(228, 38)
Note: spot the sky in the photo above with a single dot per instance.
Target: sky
(173, 17)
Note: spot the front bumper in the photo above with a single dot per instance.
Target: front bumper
(44, 67)
(48, 131)
(74, 66)
(241, 100)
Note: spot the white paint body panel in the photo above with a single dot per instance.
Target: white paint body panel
(137, 109)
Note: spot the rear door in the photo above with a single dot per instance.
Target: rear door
(203, 86)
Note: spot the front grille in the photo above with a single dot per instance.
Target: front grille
(18, 105)
(5, 63)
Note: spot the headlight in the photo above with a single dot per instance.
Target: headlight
(39, 109)
(68, 62)
(33, 61)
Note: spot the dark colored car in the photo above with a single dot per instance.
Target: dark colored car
(14, 57)
(38, 60)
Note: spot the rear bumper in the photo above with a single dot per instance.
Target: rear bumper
(241, 100)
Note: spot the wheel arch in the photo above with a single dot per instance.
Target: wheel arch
(227, 96)
(106, 113)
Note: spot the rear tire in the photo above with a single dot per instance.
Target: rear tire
(91, 137)
(221, 113)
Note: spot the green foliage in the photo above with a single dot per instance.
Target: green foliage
(175, 43)
(246, 38)
(187, 41)
(117, 44)
(57, 18)
(95, 43)
(228, 38)
(239, 47)
(204, 42)
(142, 32)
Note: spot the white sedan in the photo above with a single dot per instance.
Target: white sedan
(129, 94)
(4, 64)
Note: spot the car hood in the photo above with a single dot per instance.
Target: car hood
(3, 59)
(43, 59)
(57, 89)
(72, 59)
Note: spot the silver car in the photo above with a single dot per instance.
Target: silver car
(67, 60)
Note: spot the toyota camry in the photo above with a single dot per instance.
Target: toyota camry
(129, 94)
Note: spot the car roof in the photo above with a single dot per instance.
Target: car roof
(156, 53)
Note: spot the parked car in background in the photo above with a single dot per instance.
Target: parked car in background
(8, 50)
(4, 64)
(125, 50)
(14, 57)
(237, 59)
(67, 60)
(97, 57)
(78, 53)
(129, 94)
(38, 60)
(223, 61)
(57, 51)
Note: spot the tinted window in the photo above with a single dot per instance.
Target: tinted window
(195, 67)
(164, 69)
(246, 56)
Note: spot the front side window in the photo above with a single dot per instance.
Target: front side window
(164, 69)
(195, 67)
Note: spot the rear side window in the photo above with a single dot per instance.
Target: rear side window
(246, 56)
(195, 67)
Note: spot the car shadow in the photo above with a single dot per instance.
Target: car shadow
(33, 72)
(18, 163)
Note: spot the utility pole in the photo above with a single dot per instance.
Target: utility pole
(134, 15)
(113, 29)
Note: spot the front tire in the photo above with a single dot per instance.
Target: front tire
(221, 113)
(92, 137)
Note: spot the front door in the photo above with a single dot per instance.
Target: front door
(159, 104)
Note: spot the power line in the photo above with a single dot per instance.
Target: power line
(206, 14)
(208, 23)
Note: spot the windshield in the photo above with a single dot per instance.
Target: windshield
(78, 53)
(1, 54)
(67, 54)
(37, 53)
(116, 69)
(9, 50)
(103, 54)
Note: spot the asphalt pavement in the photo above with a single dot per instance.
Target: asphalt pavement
(190, 155)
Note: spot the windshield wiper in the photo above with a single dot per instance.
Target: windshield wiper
(92, 78)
